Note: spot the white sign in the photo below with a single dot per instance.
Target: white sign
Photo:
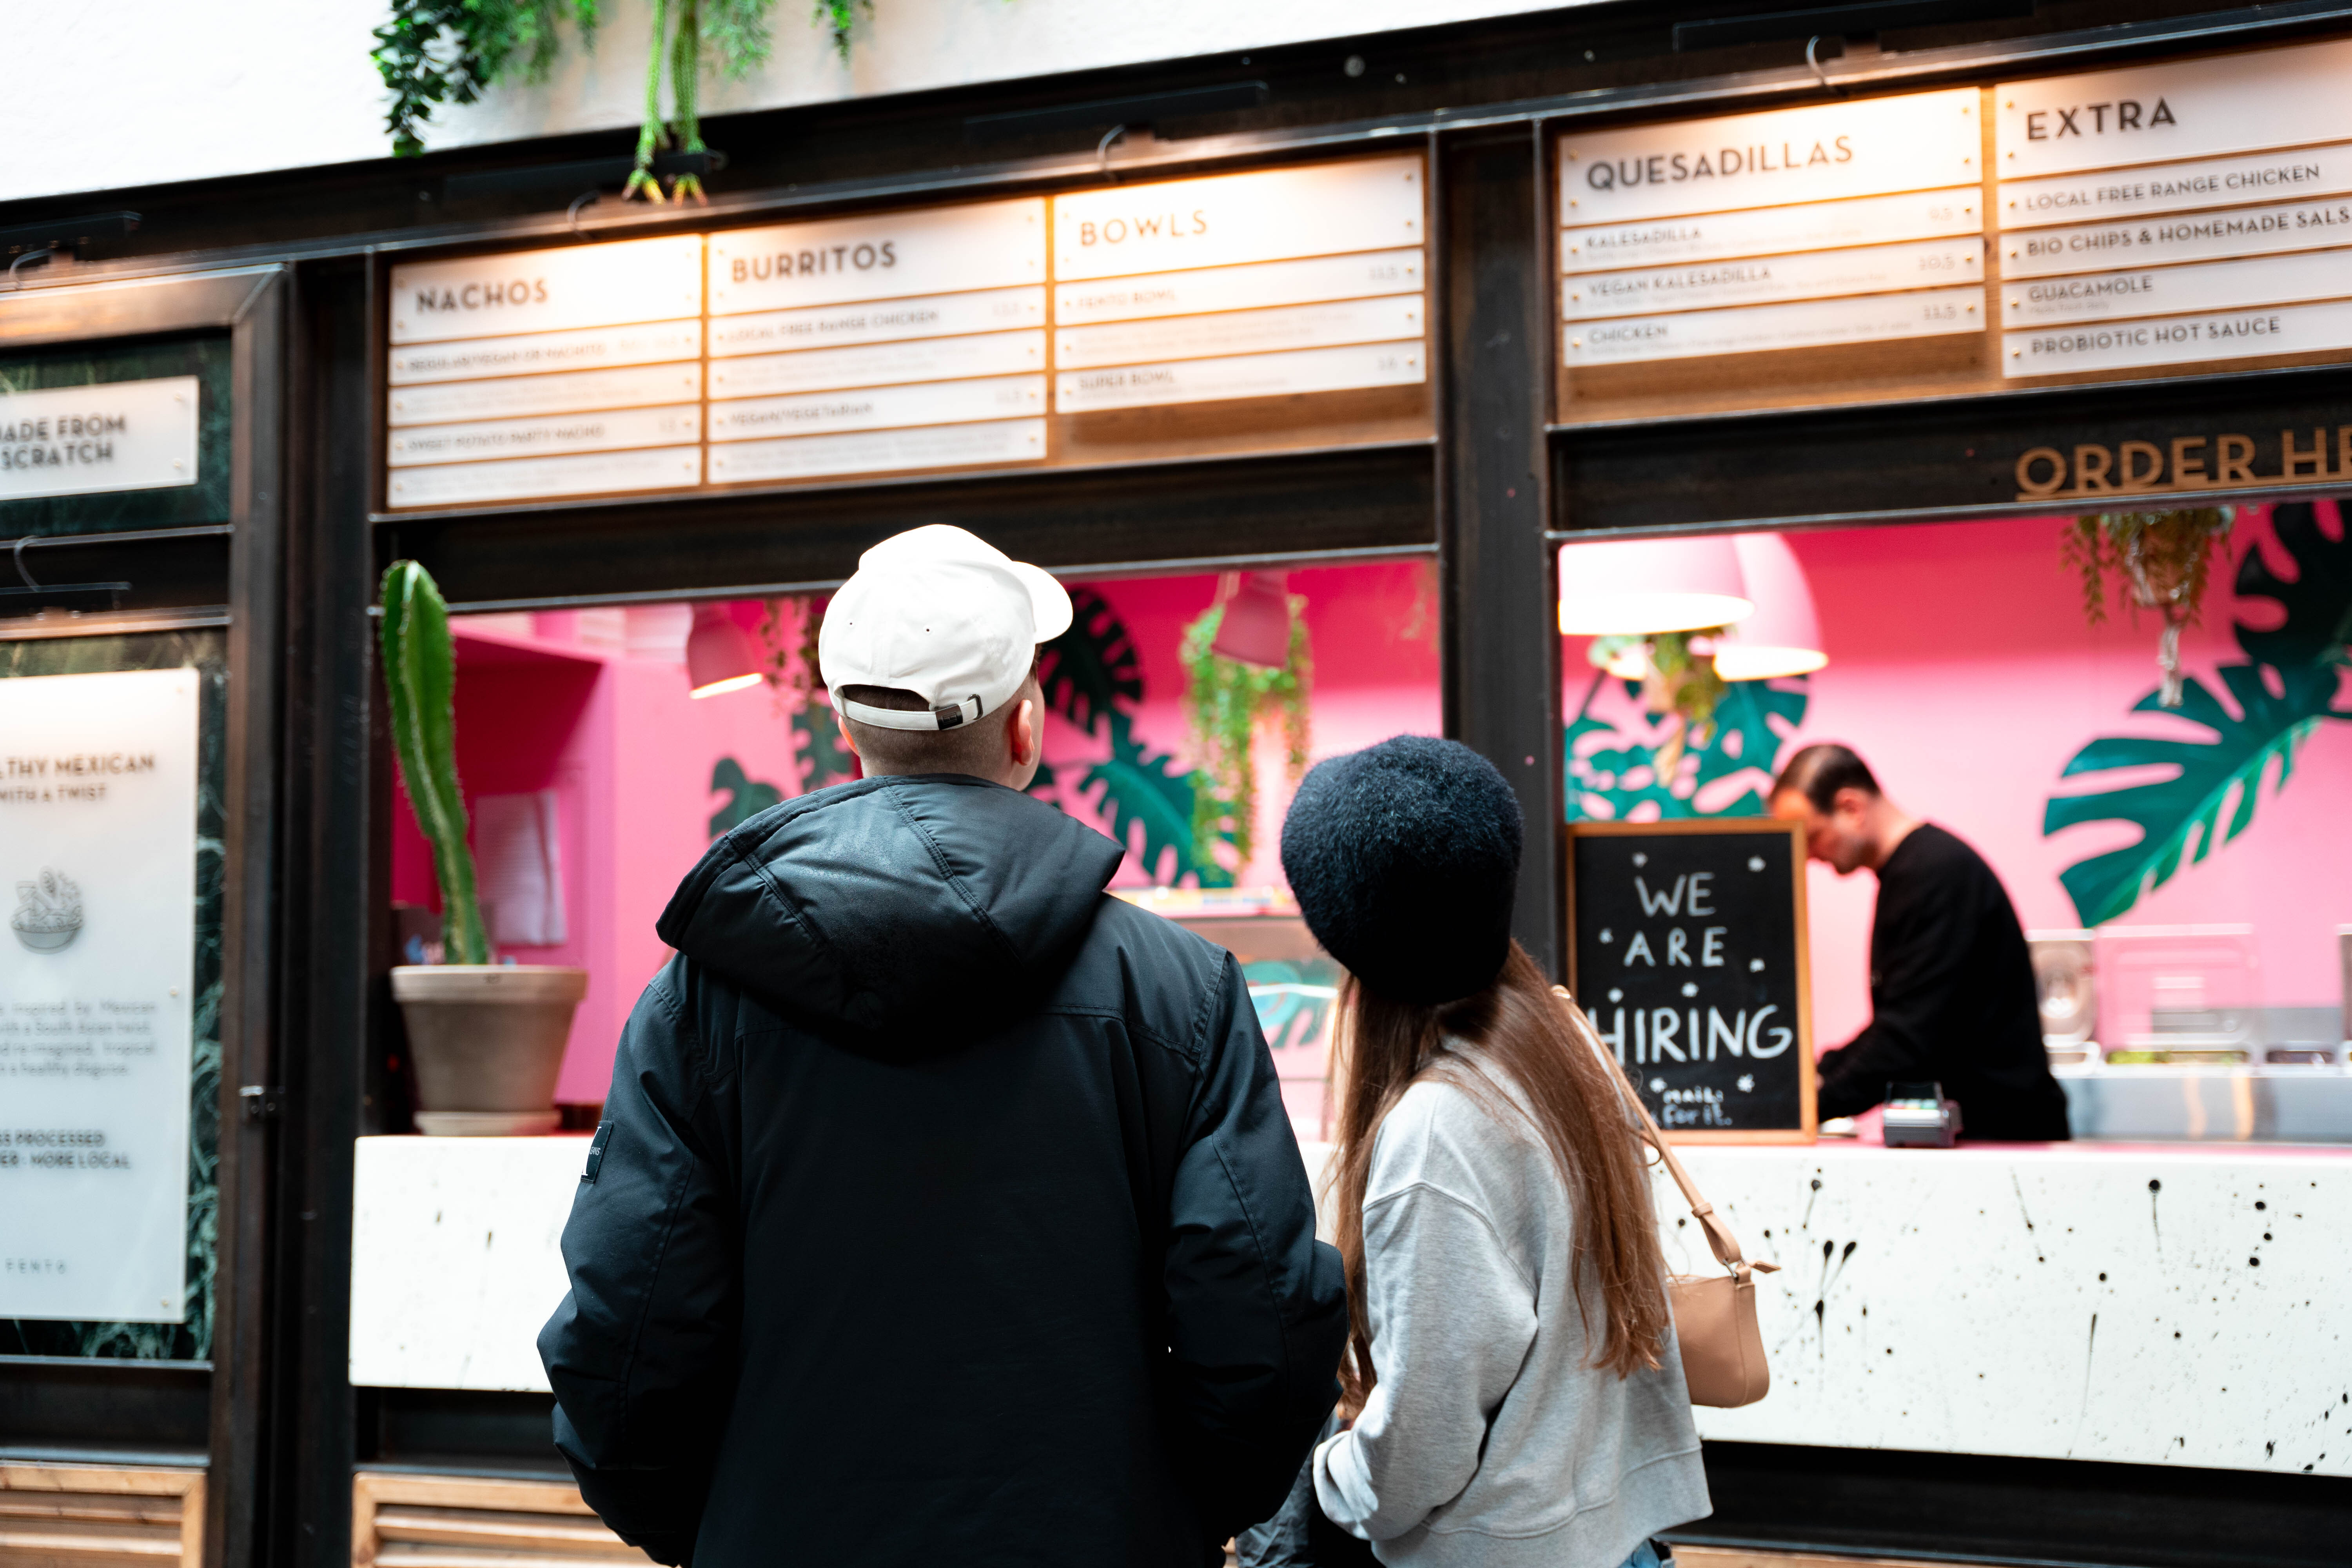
(1246, 376)
(1815, 324)
(931, 402)
(881, 451)
(97, 863)
(89, 440)
(2193, 108)
(2170, 291)
(880, 364)
(893, 321)
(2176, 188)
(1268, 214)
(1245, 332)
(1240, 288)
(1773, 231)
(1822, 152)
(606, 432)
(594, 473)
(567, 391)
(2190, 236)
(546, 290)
(933, 250)
(2131, 346)
(529, 353)
(1872, 269)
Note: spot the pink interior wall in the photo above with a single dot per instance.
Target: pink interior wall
(631, 756)
(1961, 668)
(1374, 635)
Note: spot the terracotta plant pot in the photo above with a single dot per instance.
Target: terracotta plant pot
(487, 1041)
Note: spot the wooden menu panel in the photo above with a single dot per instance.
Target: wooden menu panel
(2192, 214)
(1819, 254)
(497, 364)
(1261, 310)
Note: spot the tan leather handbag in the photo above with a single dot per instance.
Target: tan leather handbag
(1714, 1314)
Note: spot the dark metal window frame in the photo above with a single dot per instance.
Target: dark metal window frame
(250, 303)
(1490, 496)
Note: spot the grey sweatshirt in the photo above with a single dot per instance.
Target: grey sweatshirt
(1488, 1441)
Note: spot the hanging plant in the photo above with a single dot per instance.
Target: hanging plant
(2162, 562)
(449, 51)
(1225, 698)
(1678, 680)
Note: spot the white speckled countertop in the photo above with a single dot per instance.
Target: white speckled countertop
(2136, 1302)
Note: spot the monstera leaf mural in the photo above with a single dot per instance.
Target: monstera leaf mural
(1093, 678)
(747, 797)
(1745, 737)
(2211, 798)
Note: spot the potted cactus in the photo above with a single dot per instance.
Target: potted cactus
(485, 1039)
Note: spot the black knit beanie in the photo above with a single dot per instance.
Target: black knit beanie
(1403, 858)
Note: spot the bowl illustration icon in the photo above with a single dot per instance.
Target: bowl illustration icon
(49, 913)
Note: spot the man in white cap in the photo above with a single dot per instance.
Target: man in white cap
(945, 1210)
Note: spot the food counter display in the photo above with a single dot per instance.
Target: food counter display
(2127, 1303)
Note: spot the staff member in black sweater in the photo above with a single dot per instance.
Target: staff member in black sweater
(1951, 983)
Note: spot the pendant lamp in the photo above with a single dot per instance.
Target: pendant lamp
(719, 656)
(1784, 635)
(1256, 626)
(1633, 587)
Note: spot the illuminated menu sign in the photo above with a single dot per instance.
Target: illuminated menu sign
(1835, 223)
(978, 335)
(545, 372)
(905, 341)
(2177, 214)
(1256, 285)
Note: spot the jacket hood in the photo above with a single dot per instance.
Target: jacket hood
(933, 904)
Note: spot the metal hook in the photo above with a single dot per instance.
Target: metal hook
(1102, 151)
(15, 282)
(22, 541)
(571, 214)
(1820, 75)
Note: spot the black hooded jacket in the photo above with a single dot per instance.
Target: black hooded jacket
(945, 1211)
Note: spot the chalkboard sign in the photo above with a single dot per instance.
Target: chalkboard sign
(1686, 948)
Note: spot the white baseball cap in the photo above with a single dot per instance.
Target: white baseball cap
(943, 613)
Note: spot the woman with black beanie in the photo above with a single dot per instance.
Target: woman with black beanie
(1517, 1395)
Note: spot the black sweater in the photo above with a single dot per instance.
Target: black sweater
(1952, 998)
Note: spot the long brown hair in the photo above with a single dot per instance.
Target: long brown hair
(1518, 1027)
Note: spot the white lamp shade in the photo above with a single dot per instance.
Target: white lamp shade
(1784, 635)
(718, 654)
(1632, 587)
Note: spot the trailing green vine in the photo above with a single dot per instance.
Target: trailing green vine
(434, 52)
(2162, 561)
(1224, 700)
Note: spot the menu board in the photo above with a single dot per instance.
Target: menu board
(545, 372)
(1285, 280)
(1291, 305)
(1853, 226)
(903, 341)
(1687, 951)
(2175, 215)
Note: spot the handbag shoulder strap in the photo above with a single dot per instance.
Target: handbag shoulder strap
(1719, 1239)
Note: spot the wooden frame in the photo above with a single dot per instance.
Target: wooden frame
(465, 1518)
(1807, 1079)
(1089, 443)
(98, 1513)
(251, 304)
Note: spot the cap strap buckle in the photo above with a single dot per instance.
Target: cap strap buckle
(946, 716)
